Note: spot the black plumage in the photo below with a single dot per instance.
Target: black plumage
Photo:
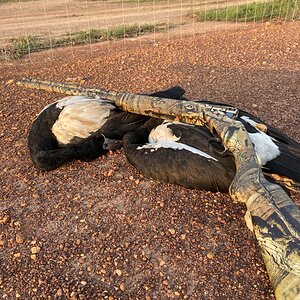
(153, 156)
(82, 128)
(181, 166)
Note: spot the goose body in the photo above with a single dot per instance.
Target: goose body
(180, 154)
(81, 127)
(192, 157)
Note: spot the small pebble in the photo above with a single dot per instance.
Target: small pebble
(19, 238)
(35, 249)
(171, 230)
(40, 281)
(11, 81)
(162, 263)
(110, 173)
(5, 219)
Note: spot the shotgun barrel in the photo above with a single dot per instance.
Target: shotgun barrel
(185, 111)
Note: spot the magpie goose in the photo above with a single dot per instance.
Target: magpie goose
(180, 154)
(194, 158)
(82, 128)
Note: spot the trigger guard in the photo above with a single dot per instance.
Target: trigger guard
(214, 149)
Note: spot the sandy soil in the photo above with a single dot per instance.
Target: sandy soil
(101, 230)
(54, 17)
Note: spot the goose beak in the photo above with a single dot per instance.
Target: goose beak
(111, 144)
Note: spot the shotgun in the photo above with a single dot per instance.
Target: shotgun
(271, 214)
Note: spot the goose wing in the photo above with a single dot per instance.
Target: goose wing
(79, 118)
(172, 158)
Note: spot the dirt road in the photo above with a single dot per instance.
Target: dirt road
(54, 17)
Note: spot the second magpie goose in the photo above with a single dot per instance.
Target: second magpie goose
(192, 157)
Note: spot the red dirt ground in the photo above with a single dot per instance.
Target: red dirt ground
(101, 230)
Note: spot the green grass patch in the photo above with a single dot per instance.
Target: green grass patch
(125, 1)
(132, 1)
(264, 11)
(17, 47)
(8, 1)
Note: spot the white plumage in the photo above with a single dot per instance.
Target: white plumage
(163, 137)
(80, 117)
(265, 148)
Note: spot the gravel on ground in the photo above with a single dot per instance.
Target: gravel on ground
(101, 230)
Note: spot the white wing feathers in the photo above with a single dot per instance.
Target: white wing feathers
(163, 137)
(80, 117)
(264, 145)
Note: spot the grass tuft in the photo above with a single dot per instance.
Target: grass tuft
(8, 1)
(132, 1)
(265, 11)
(17, 47)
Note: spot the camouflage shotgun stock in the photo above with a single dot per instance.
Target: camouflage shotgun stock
(271, 213)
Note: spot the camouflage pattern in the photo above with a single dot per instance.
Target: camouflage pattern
(183, 111)
(272, 215)
(275, 217)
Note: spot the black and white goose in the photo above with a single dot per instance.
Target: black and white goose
(192, 157)
(82, 128)
(180, 154)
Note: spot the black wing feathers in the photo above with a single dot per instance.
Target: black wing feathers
(181, 166)
(43, 146)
